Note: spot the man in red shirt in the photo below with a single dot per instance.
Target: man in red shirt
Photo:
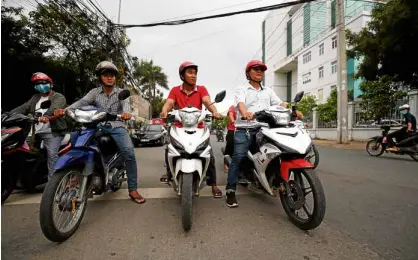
(229, 149)
(191, 94)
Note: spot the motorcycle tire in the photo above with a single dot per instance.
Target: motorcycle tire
(46, 209)
(8, 183)
(187, 201)
(316, 161)
(368, 147)
(317, 216)
(414, 156)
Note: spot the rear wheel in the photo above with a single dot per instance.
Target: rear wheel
(59, 213)
(374, 148)
(8, 183)
(187, 201)
(294, 198)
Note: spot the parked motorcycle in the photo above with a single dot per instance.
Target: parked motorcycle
(189, 156)
(276, 163)
(92, 166)
(23, 167)
(220, 135)
(379, 144)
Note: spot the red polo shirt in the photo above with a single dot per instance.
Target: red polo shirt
(182, 99)
(231, 126)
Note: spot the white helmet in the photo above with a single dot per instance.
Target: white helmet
(106, 66)
(403, 107)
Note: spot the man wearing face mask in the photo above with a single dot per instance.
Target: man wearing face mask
(411, 129)
(52, 132)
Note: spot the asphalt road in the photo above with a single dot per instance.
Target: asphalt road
(372, 209)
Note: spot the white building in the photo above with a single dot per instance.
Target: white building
(300, 47)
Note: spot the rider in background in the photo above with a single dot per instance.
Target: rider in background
(52, 132)
(229, 148)
(410, 128)
(194, 95)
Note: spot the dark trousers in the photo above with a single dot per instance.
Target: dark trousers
(229, 149)
(211, 173)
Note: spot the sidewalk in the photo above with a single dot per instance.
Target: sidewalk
(353, 145)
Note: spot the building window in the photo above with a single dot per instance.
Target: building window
(306, 78)
(334, 42)
(320, 94)
(334, 67)
(306, 57)
(321, 49)
(321, 72)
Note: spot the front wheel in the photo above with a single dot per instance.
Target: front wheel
(313, 156)
(187, 201)
(60, 214)
(374, 148)
(414, 156)
(294, 198)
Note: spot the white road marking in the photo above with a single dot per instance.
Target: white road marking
(122, 194)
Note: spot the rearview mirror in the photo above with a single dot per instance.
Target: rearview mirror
(220, 96)
(299, 96)
(46, 104)
(124, 94)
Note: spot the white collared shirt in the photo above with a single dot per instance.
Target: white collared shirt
(255, 100)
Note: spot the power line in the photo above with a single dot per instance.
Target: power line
(254, 10)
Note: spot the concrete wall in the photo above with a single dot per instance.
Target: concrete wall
(357, 134)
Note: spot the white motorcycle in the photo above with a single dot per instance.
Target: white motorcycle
(276, 162)
(189, 155)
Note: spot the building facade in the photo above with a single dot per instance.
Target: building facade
(300, 47)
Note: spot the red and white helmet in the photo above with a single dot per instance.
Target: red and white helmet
(184, 66)
(255, 63)
(39, 76)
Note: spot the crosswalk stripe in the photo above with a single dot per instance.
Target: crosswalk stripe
(122, 194)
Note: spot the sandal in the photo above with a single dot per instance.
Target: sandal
(217, 193)
(136, 197)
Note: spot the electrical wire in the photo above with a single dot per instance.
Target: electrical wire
(254, 10)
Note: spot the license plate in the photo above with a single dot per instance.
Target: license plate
(144, 140)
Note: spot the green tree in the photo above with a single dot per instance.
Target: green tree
(151, 77)
(222, 122)
(327, 112)
(379, 97)
(386, 45)
(307, 104)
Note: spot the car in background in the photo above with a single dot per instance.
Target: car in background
(150, 134)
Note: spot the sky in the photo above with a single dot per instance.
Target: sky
(221, 47)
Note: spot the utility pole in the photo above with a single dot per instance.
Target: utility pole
(120, 5)
(342, 99)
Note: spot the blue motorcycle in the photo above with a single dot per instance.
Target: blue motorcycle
(92, 166)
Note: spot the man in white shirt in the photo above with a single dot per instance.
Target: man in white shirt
(251, 98)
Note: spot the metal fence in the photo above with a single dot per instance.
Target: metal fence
(392, 118)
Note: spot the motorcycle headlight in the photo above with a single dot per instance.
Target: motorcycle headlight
(281, 118)
(189, 118)
(99, 116)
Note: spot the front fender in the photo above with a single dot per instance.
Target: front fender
(73, 157)
(288, 165)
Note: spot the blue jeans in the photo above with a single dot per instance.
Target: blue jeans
(125, 146)
(242, 144)
(52, 145)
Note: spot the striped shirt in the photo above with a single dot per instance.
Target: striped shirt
(97, 97)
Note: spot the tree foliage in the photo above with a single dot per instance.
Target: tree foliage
(379, 97)
(327, 112)
(307, 104)
(387, 44)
